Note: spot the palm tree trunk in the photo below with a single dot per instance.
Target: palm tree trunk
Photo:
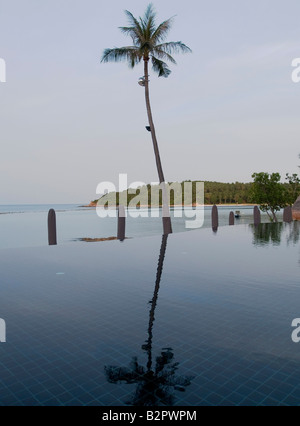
(167, 226)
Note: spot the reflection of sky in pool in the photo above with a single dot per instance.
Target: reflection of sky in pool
(194, 319)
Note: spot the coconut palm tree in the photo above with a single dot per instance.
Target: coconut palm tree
(149, 44)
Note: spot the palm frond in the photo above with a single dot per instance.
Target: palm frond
(150, 28)
(162, 30)
(160, 67)
(164, 55)
(150, 12)
(132, 20)
(128, 53)
(134, 33)
(147, 22)
(149, 18)
(174, 47)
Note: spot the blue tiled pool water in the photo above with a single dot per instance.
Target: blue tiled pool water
(198, 318)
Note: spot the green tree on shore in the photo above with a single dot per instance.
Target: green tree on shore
(149, 45)
(269, 193)
(293, 187)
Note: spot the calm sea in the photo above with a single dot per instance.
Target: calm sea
(26, 225)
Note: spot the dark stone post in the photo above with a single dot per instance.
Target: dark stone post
(288, 214)
(256, 215)
(214, 218)
(52, 237)
(121, 223)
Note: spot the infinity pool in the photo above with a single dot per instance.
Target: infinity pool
(198, 318)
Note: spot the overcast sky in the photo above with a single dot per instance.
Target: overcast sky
(68, 122)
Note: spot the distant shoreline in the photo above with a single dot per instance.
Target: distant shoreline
(91, 205)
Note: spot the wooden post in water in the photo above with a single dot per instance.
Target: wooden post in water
(256, 216)
(288, 214)
(52, 236)
(231, 218)
(121, 223)
(214, 218)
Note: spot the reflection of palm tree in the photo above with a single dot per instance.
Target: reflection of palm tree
(148, 346)
(154, 385)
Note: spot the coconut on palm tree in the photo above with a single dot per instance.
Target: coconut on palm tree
(149, 45)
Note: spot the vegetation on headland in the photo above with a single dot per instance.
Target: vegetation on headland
(214, 193)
